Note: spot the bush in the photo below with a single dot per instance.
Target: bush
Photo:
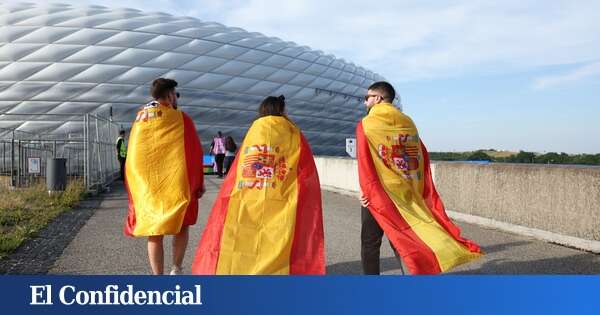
(479, 156)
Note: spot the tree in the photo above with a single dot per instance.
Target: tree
(479, 156)
(525, 157)
(548, 158)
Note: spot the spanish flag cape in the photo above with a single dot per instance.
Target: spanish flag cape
(267, 218)
(395, 176)
(163, 172)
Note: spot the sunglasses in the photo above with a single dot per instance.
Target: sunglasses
(369, 96)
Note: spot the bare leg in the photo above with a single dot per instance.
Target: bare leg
(156, 254)
(180, 242)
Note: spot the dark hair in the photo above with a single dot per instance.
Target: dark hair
(386, 89)
(121, 132)
(272, 106)
(161, 87)
(230, 144)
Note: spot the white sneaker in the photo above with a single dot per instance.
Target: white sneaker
(175, 271)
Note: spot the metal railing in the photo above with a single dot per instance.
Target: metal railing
(86, 141)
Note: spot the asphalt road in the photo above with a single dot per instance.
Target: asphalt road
(101, 248)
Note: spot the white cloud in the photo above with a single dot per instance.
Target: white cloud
(582, 72)
(412, 40)
(409, 40)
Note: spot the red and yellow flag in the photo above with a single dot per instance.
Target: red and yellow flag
(267, 218)
(395, 176)
(163, 172)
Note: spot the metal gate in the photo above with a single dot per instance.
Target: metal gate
(88, 147)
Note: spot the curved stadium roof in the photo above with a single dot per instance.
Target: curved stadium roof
(61, 59)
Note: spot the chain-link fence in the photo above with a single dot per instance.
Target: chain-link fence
(87, 142)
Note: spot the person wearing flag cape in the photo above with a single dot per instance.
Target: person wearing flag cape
(398, 195)
(267, 217)
(163, 175)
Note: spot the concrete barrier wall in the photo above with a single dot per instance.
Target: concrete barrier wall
(558, 199)
(338, 174)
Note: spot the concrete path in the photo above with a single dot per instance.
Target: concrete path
(101, 248)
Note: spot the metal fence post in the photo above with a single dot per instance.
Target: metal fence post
(3, 156)
(86, 176)
(88, 154)
(12, 160)
(19, 163)
(98, 144)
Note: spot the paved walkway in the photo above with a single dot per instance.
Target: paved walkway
(101, 248)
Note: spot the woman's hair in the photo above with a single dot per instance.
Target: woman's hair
(230, 144)
(272, 106)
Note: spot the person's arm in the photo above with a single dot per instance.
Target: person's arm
(363, 200)
(119, 145)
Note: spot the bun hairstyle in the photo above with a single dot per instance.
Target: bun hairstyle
(272, 106)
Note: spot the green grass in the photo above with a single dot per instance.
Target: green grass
(23, 212)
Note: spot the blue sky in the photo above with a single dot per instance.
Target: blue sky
(513, 75)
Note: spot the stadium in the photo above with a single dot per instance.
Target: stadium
(61, 62)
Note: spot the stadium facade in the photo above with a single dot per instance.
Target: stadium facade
(63, 59)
